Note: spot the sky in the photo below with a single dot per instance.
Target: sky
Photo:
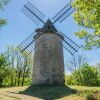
(19, 26)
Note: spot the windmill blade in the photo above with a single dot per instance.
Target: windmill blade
(66, 48)
(70, 41)
(69, 48)
(69, 44)
(23, 47)
(33, 13)
(66, 15)
(28, 44)
(63, 14)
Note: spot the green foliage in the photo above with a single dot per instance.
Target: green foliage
(98, 69)
(85, 76)
(4, 69)
(3, 22)
(3, 3)
(90, 96)
(93, 96)
(87, 15)
(20, 64)
(7, 81)
(19, 67)
(69, 79)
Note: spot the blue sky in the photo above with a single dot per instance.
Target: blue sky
(19, 26)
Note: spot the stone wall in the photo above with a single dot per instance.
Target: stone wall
(48, 68)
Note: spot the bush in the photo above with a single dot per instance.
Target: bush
(85, 76)
(90, 96)
(69, 80)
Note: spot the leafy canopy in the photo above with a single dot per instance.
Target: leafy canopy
(87, 15)
(4, 69)
(86, 75)
(3, 3)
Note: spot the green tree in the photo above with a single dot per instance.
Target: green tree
(86, 75)
(27, 67)
(23, 67)
(87, 15)
(4, 69)
(3, 3)
(20, 65)
(98, 69)
(11, 57)
(69, 80)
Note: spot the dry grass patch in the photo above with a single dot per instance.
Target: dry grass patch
(48, 93)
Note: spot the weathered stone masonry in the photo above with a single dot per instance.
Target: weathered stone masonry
(48, 68)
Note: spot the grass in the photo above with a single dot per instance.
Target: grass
(49, 93)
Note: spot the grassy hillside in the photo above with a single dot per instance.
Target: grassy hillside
(48, 93)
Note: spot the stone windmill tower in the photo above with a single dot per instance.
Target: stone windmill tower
(47, 44)
(48, 57)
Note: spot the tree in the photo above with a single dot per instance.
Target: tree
(87, 15)
(98, 69)
(20, 65)
(4, 69)
(10, 55)
(23, 67)
(28, 62)
(2, 4)
(86, 75)
(76, 62)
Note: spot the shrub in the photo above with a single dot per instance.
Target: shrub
(90, 96)
(84, 76)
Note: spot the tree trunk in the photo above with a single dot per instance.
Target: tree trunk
(23, 79)
(19, 75)
(15, 82)
(1, 81)
(15, 79)
(12, 80)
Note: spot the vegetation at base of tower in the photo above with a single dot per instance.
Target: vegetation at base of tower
(3, 3)
(86, 75)
(87, 15)
(15, 68)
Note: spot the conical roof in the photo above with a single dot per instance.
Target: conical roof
(49, 27)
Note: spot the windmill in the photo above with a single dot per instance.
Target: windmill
(47, 44)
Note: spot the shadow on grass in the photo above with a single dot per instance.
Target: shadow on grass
(48, 92)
